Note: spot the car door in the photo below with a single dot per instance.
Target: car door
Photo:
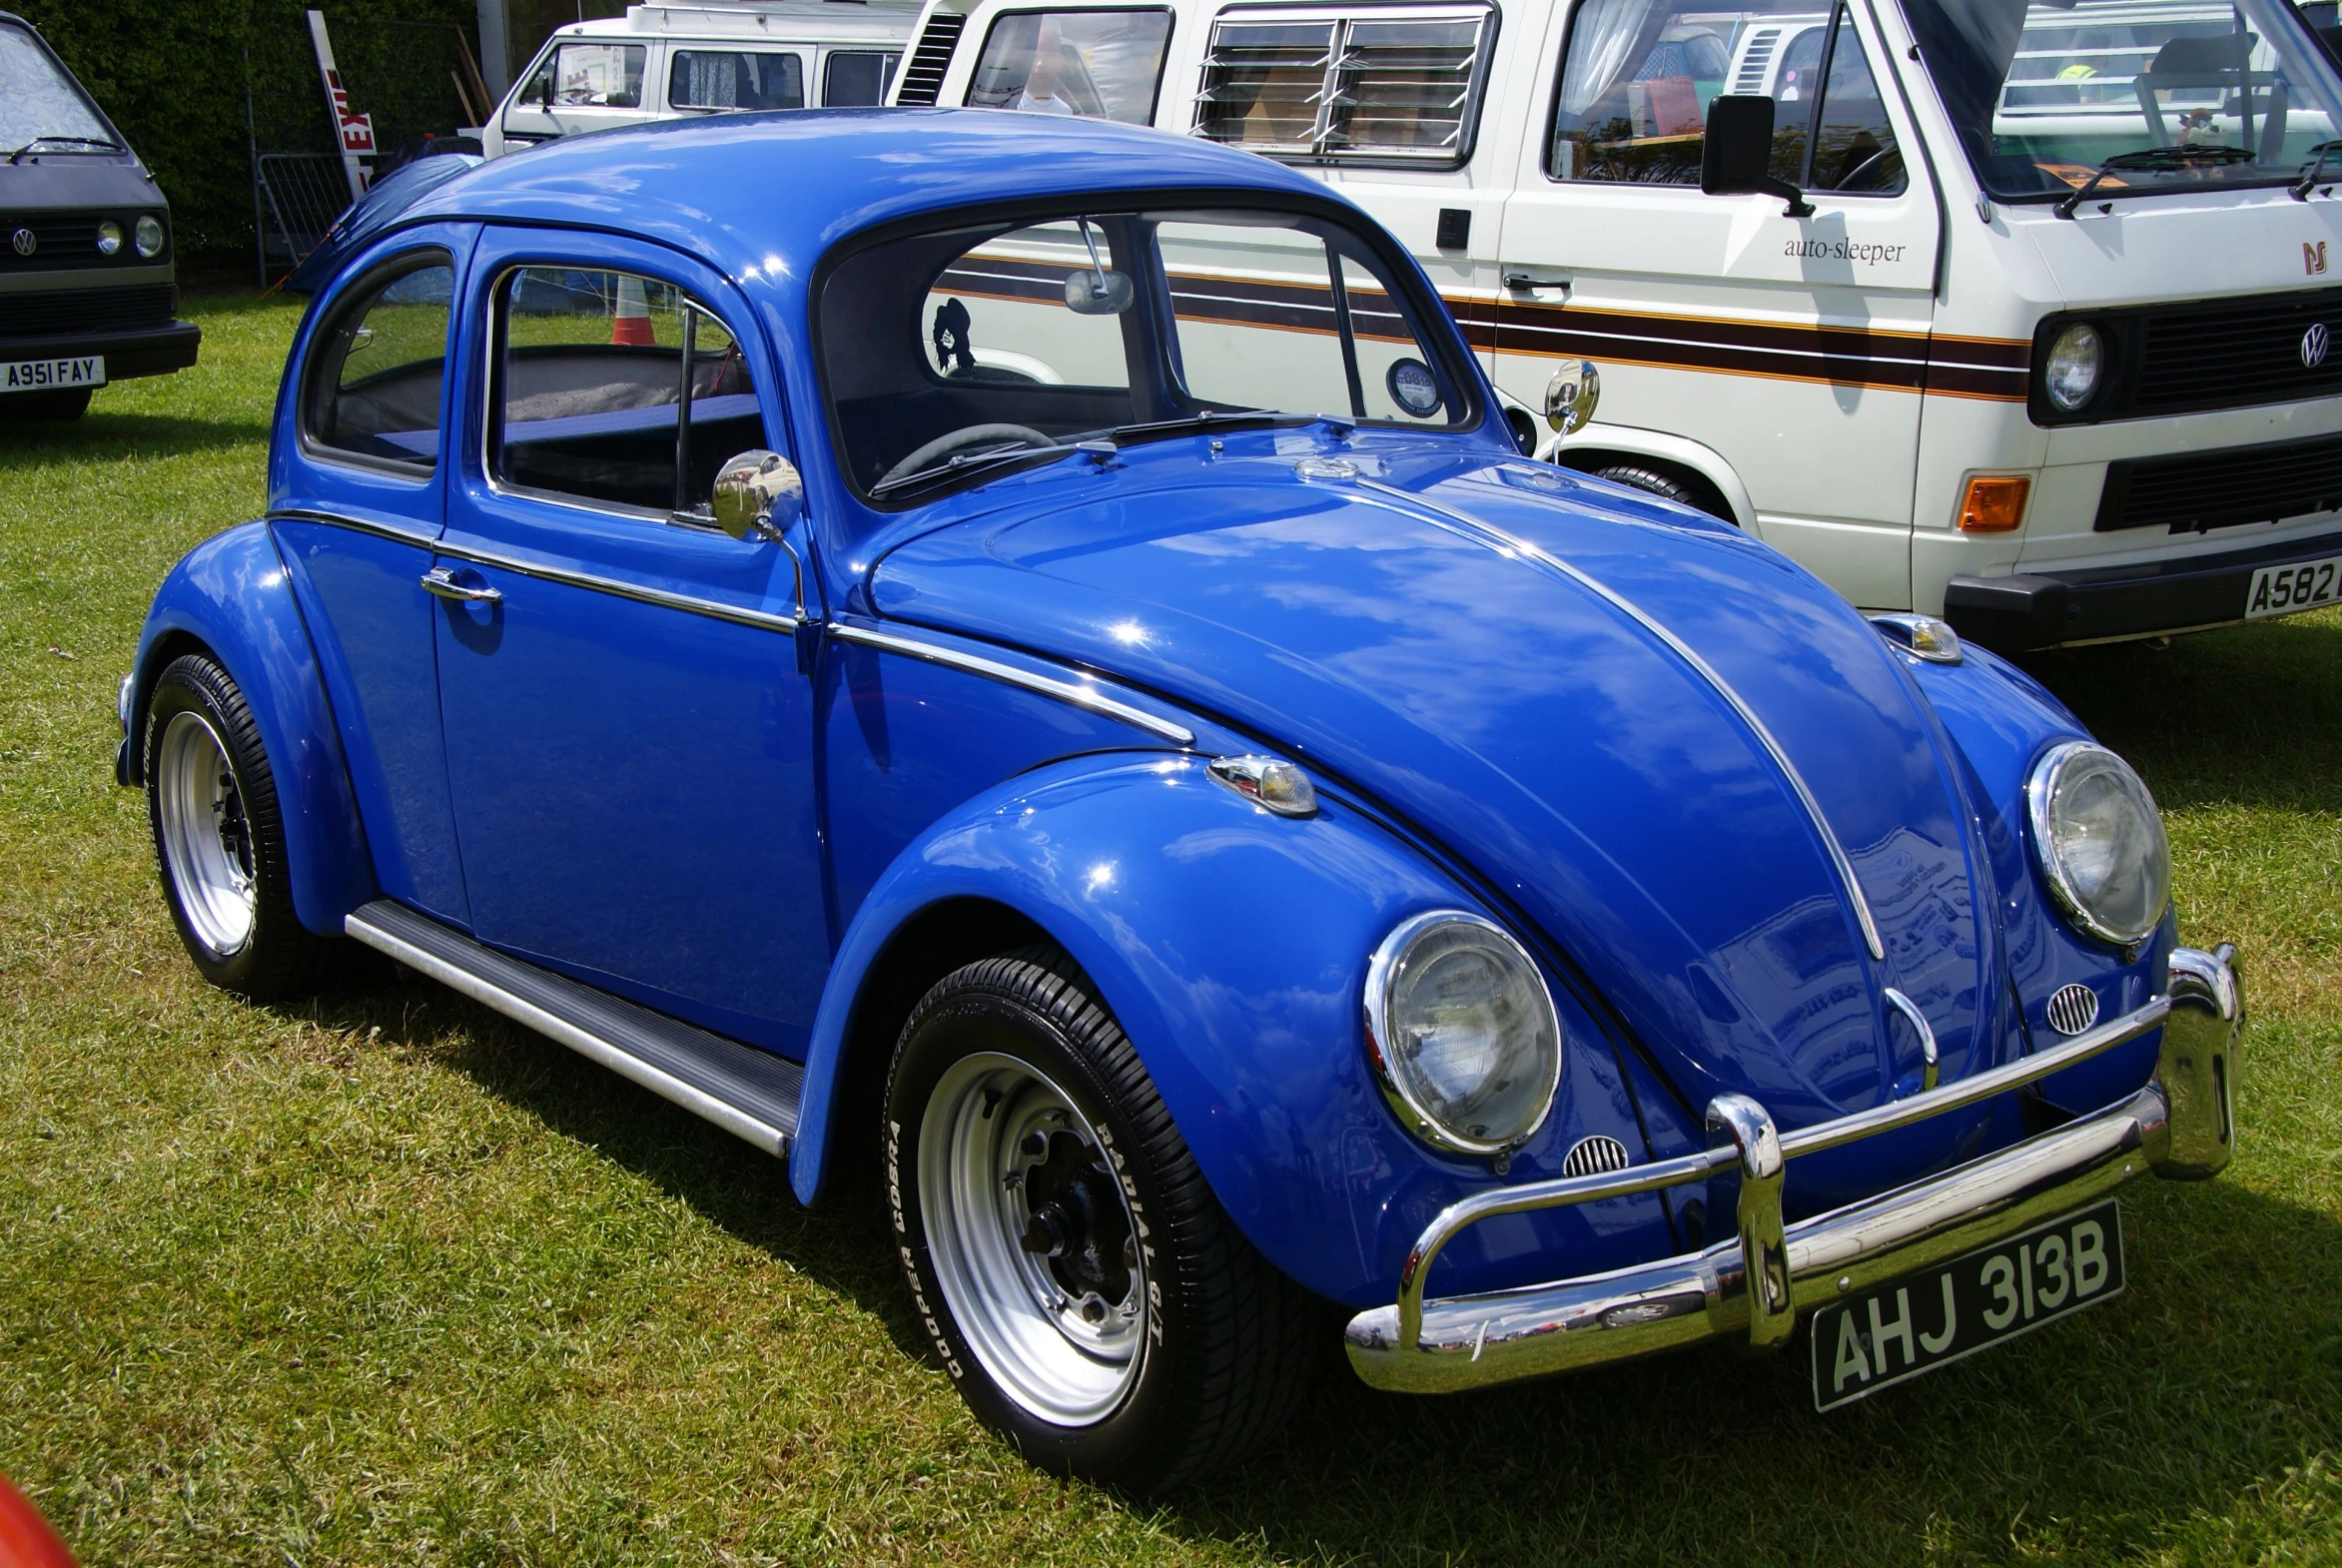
(355, 493)
(628, 735)
(1793, 347)
(580, 84)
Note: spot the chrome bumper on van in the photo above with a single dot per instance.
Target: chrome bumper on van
(2181, 1125)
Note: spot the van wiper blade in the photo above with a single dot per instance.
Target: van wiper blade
(1210, 419)
(2309, 178)
(2153, 160)
(77, 141)
(965, 463)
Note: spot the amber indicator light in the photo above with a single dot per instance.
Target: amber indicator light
(1995, 504)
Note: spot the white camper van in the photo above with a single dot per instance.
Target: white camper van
(2018, 314)
(665, 62)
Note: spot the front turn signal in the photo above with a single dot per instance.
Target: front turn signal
(1993, 502)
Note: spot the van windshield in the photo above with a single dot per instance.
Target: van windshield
(41, 110)
(2212, 94)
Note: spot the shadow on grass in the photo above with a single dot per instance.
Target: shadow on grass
(100, 435)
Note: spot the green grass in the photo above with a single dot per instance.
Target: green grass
(383, 1281)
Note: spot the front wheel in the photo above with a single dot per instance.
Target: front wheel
(1075, 1276)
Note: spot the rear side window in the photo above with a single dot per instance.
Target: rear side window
(727, 79)
(376, 369)
(1103, 64)
(616, 389)
(857, 78)
(1327, 89)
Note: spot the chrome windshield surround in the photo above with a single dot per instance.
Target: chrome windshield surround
(2180, 1126)
(1839, 860)
(1078, 693)
(1382, 972)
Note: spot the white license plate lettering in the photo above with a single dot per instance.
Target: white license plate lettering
(2288, 591)
(48, 374)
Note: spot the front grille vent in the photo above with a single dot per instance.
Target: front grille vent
(2222, 489)
(2073, 1009)
(2234, 354)
(57, 313)
(1594, 1156)
(61, 240)
(923, 78)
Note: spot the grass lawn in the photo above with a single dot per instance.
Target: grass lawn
(382, 1279)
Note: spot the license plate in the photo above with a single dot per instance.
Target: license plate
(1895, 1332)
(2286, 590)
(42, 374)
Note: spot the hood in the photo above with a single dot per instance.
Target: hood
(1400, 633)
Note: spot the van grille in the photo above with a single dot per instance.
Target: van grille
(2221, 489)
(2238, 353)
(63, 239)
(56, 313)
(923, 78)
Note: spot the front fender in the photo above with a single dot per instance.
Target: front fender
(1232, 946)
(230, 596)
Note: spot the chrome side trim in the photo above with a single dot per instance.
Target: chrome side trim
(713, 609)
(335, 519)
(1078, 694)
(1838, 859)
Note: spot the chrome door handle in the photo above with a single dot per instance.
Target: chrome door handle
(440, 582)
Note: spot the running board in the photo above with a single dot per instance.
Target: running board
(750, 1093)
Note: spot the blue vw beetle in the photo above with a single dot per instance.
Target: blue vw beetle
(1024, 658)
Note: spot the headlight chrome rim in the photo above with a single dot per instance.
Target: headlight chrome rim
(2041, 795)
(148, 236)
(2075, 336)
(1383, 973)
(109, 238)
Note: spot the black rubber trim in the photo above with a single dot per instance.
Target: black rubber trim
(755, 1085)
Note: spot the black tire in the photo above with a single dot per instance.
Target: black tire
(1655, 481)
(276, 957)
(1224, 1342)
(47, 405)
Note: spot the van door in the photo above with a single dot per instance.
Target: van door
(580, 84)
(1792, 348)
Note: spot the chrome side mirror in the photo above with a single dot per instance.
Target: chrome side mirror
(1571, 395)
(758, 494)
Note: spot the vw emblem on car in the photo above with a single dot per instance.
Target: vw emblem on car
(24, 241)
(2314, 345)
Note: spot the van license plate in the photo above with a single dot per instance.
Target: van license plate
(2286, 590)
(45, 375)
(1896, 1331)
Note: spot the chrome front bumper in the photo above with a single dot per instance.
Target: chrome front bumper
(2181, 1126)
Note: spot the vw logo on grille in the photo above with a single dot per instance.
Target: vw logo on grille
(2314, 345)
(24, 241)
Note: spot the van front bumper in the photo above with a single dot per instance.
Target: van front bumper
(2029, 610)
(145, 350)
(2181, 1126)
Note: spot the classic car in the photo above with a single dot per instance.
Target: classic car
(1022, 660)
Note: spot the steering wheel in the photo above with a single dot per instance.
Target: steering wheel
(967, 436)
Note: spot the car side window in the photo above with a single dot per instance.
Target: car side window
(1103, 64)
(735, 79)
(857, 78)
(375, 367)
(1637, 78)
(616, 389)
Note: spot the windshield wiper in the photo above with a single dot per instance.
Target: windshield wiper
(78, 141)
(1209, 419)
(2153, 160)
(965, 463)
(2309, 179)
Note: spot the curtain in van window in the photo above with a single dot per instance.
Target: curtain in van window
(1602, 40)
(706, 79)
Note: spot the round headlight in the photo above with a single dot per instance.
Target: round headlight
(109, 237)
(2076, 359)
(149, 236)
(1462, 1032)
(2100, 842)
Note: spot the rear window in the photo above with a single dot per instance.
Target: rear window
(40, 103)
(376, 370)
(857, 78)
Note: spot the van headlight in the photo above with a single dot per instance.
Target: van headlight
(2076, 362)
(147, 234)
(2100, 842)
(1462, 1032)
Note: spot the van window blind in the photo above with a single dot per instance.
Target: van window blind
(1345, 88)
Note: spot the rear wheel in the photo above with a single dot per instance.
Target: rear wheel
(220, 836)
(1077, 1277)
(48, 406)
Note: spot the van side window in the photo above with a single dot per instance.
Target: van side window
(1347, 89)
(374, 378)
(712, 79)
(1103, 64)
(611, 387)
(857, 78)
(607, 76)
(1637, 79)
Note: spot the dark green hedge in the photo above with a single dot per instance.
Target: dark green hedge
(173, 76)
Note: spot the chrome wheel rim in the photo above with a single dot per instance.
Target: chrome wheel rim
(207, 840)
(1031, 1239)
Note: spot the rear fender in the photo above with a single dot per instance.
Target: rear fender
(229, 598)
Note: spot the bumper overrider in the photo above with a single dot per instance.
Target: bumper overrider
(1748, 1289)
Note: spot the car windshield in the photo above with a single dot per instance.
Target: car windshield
(39, 104)
(2185, 95)
(962, 351)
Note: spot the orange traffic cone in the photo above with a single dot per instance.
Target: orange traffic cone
(631, 324)
(26, 1541)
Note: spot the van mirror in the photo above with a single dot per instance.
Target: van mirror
(1737, 156)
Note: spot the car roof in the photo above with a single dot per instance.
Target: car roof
(761, 196)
